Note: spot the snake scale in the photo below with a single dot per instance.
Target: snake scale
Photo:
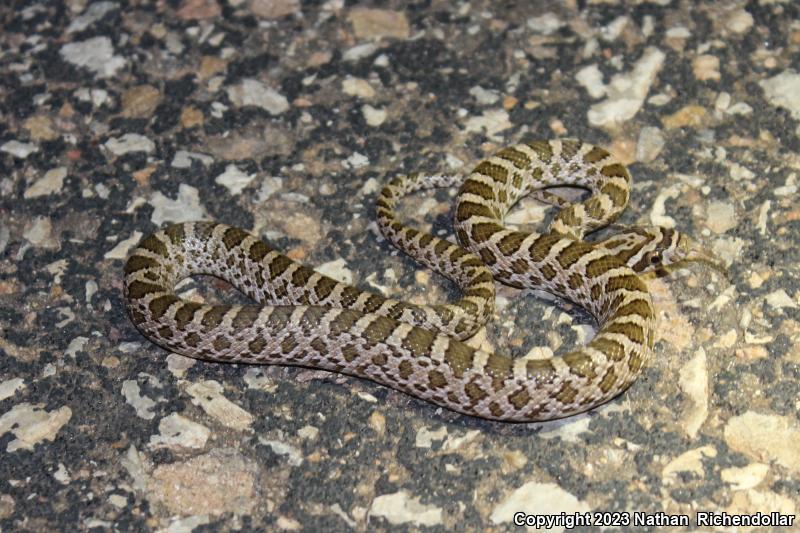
(304, 318)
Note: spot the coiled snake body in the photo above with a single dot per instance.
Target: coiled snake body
(307, 319)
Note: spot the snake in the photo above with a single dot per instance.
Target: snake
(304, 318)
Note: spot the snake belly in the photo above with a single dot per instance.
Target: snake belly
(306, 319)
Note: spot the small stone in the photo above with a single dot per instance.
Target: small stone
(10, 387)
(627, 91)
(402, 508)
(176, 431)
(690, 461)
(752, 353)
(546, 24)
(129, 143)
(191, 117)
(720, 217)
(95, 54)
(336, 269)
(357, 87)
(425, 437)
(199, 10)
(252, 92)
(210, 66)
(184, 208)
(745, 477)
(96, 11)
(373, 116)
(208, 395)
(727, 340)
(376, 23)
(39, 232)
(31, 424)
(234, 179)
(591, 79)
(693, 116)
(740, 172)
(140, 101)
(356, 160)
(765, 438)
(706, 67)
(41, 128)
(740, 21)
(274, 9)
(649, 145)
(142, 404)
(484, 96)
(19, 149)
(537, 498)
(377, 422)
(51, 182)
(360, 51)
(783, 90)
(491, 122)
(693, 381)
(294, 457)
(779, 299)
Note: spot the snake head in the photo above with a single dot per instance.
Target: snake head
(673, 251)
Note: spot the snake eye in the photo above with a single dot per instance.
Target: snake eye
(654, 258)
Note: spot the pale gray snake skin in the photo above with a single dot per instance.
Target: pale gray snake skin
(306, 319)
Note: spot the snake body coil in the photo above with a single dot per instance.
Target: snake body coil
(307, 319)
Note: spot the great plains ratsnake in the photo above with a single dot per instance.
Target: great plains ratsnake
(304, 318)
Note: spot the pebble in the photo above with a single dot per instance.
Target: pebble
(95, 54)
(176, 431)
(129, 143)
(250, 92)
(184, 208)
(740, 21)
(373, 116)
(693, 116)
(765, 437)
(693, 381)
(484, 96)
(19, 149)
(546, 24)
(357, 87)
(41, 128)
(51, 182)
(779, 299)
(93, 13)
(403, 508)
(535, 498)
(143, 405)
(39, 232)
(491, 122)
(627, 91)
(31, 424)
(706, 67)
(183, 159)
(208, 396)
(783, 90)
(234, 179)
(746, 477)
(274, 9)
(10, 387)
(649, 145)
(376, 23)
(140, 101)
(591, 79)
(720, 217)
